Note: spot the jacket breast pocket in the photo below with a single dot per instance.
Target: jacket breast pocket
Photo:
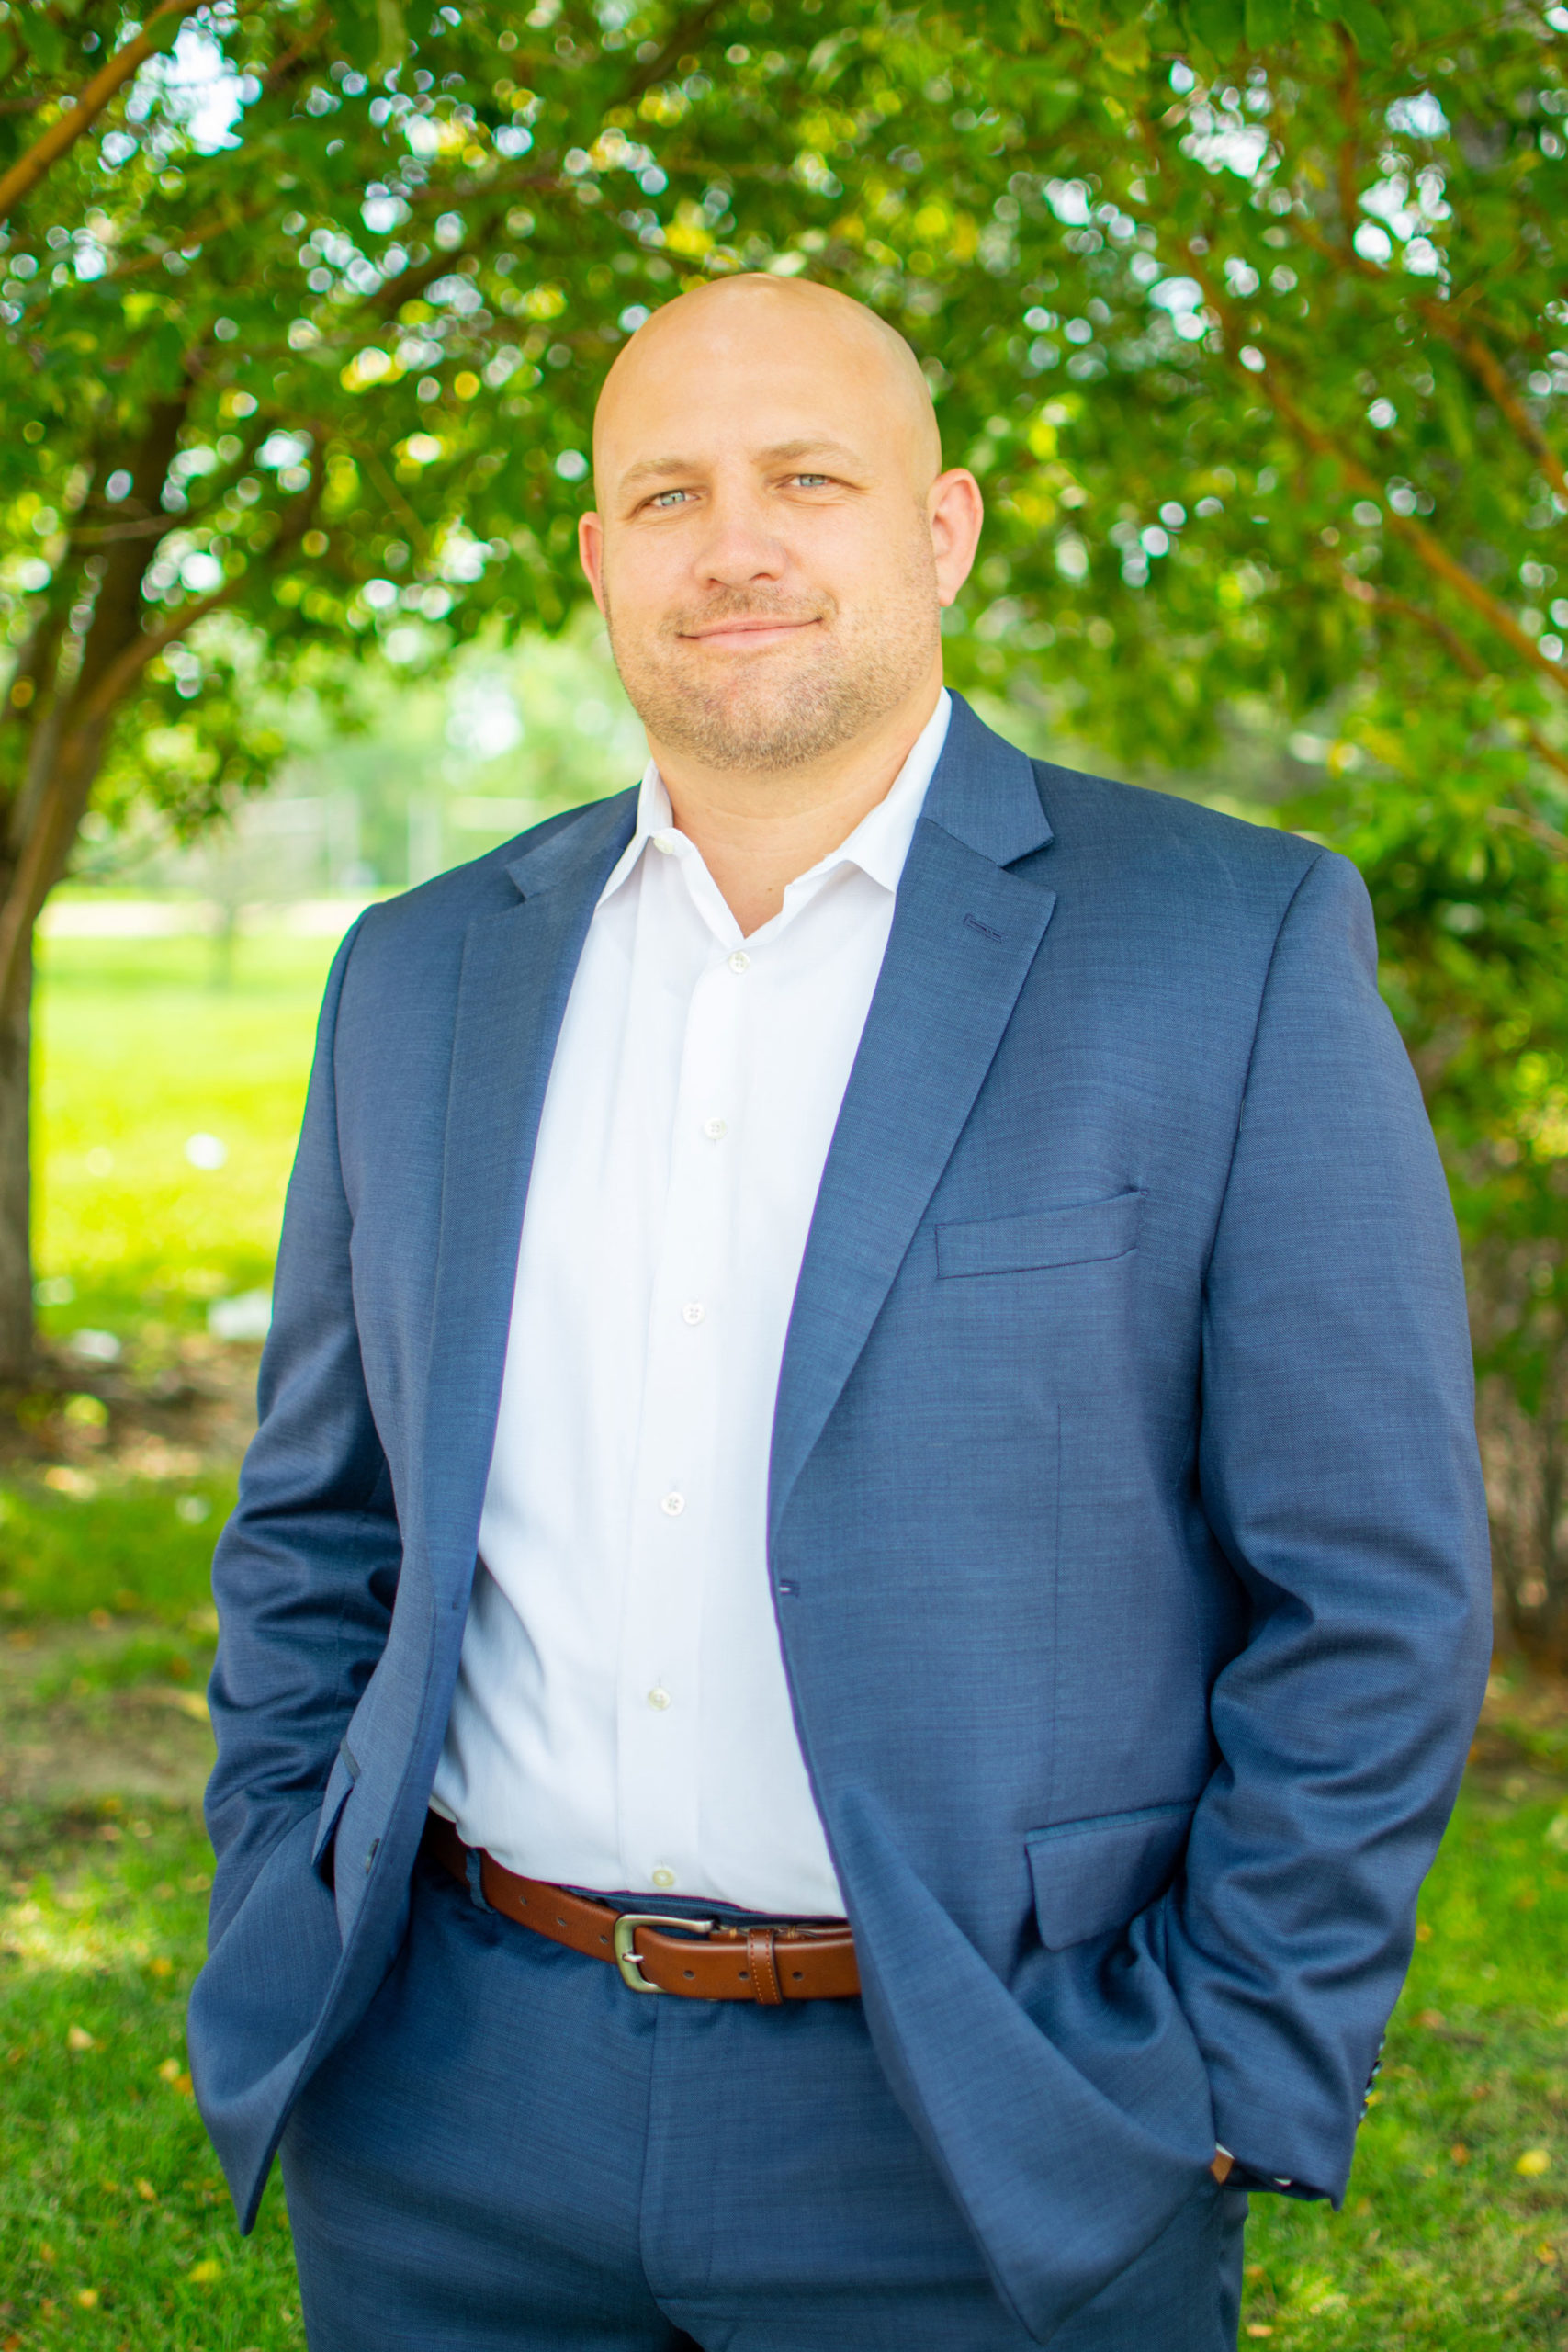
(1065, 1236)
(1093, 1876)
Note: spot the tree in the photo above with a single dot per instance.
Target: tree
(1244, 310)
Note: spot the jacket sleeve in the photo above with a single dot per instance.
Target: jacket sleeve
(307, 1569)
(1339, 1471)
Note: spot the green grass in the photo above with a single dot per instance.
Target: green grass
(138, 1547)
(115, 2226)
(1444, 2245)
(114, 2230)
(137, 1052)
(1444, 2241)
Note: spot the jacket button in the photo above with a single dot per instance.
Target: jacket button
(375, 1844)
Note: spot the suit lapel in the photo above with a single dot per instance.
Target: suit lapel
(517, 971)
(964, 935)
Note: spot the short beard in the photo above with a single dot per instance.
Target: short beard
(771, 715)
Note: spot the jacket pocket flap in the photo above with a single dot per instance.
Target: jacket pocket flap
(1069, 1237)
(1093, 1876)
(340, 1785)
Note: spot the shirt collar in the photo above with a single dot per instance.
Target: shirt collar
(879, 845)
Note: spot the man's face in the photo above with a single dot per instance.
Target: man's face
(764, 551)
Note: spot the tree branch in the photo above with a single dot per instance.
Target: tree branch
(691, 28)
(1348, 154)
(1464, 656)
(1482, 361)
(1485, 364)
(28, 170)
(1428, 549)
(147, 643)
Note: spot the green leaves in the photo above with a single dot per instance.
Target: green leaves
(1225, 26)
(1367, 27)
(1268, 23)
(1200, 291)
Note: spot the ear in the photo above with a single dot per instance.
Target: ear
(956, 511)
(590, 554)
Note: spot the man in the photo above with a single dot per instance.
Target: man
(869, 1334)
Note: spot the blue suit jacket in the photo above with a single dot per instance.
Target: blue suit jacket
(1126, 1527)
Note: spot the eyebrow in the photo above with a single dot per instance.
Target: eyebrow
(666, 469)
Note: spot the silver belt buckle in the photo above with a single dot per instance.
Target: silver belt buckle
(624, 1938)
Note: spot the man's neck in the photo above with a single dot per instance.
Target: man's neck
(758, 831)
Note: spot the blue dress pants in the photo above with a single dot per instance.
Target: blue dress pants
(515, 2151)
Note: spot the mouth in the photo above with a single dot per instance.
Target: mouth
(746, 636)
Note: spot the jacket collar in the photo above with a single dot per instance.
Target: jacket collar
(983, 792)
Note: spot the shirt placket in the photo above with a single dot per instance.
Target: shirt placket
(675, 1482)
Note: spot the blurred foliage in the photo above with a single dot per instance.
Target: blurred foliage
(450, 761)
(1249, 313)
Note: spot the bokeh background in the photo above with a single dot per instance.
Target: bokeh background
(1250, 315)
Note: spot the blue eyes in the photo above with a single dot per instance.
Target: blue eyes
(667, 501)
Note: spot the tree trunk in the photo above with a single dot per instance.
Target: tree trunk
(16, 1251)
(84, 656)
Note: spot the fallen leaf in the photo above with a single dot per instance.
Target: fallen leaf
(1255, 2328)
(88, 2298)
(188, 1702)
(78, 2038)
(202, 2274)
(1533, 2163)
(148, 2194)
(1459, 2153)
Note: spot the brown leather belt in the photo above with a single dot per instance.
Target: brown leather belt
(704, 1959)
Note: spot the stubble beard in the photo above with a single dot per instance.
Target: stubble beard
(777, 709)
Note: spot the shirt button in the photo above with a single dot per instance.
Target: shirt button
(673, 1506)
(740, 961)
(694, 1312)
(715, 1129)
(664, 845)
(659, 1697)
(663, 1875)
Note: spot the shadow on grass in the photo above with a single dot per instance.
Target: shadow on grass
(115, 2226)
(1455, 2231)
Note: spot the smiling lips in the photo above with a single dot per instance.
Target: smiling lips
(747, 635)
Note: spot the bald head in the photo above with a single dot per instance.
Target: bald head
(775, 538)
(726, 329)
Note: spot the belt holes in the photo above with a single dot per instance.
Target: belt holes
(560, 1921)
(603, 1939)
(688, 1973)
(794, 1973)
(744, 1974)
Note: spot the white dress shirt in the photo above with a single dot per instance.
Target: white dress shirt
(622, 1719)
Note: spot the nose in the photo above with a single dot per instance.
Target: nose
(740, 548)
